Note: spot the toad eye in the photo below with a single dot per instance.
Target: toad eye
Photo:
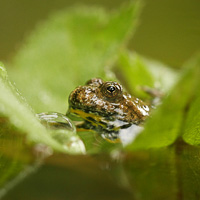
(111, 90)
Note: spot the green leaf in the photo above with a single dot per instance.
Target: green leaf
(166, 122)
(71, 47)
(23, 139)
(135, 72)
(13, 106)
(191, 131)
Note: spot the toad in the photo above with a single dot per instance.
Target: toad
(105, 108)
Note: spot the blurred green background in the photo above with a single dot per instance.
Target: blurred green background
(168, 30)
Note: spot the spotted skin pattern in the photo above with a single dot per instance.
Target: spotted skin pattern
(105, 108)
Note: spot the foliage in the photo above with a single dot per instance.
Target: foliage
(71, 47)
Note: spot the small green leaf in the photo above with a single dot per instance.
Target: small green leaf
(166, 122)
(137, 72)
